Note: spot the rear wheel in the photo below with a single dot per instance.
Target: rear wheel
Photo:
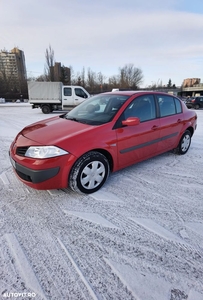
(46, 109)
(89, 173)
(184, 143)
(196, 106)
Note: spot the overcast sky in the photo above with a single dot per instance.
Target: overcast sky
(162, 38)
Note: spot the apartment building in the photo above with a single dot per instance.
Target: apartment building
(13, 68)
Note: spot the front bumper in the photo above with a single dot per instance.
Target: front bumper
(40, 174)
(34, 176)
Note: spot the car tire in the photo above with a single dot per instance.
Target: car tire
(184, 143)
(46, 109)
(89, 173)
(196, 106)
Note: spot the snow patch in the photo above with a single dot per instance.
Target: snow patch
(4, 178)
(197, 227)
(54, 192)
(152, 226)
(142, 285)
(1, 218)
(105, 196)
(193, 295)
(184, 234)
(91, 217)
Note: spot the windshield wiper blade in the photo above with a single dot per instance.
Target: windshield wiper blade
(72, 119)
(76, 120)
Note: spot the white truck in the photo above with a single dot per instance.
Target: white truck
(51, 96)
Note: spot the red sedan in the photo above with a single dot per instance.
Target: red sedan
(103, 134)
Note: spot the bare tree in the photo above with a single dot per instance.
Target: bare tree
(91, 80)
(114, 81)
(100, 80)
(49, 64)
(42, 77)
(130, 76)
(83, 77)
(78, 78)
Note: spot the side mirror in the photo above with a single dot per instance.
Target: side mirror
(131, 121)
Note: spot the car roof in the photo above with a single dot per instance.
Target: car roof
(141, 92)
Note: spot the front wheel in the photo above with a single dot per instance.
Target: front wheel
(184, 143)
(89, 173)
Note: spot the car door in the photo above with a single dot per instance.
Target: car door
(67, 97)
(201, 101)
(79, 95)
(171, 121)
(138, 142)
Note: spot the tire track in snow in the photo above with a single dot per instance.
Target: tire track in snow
(23, 265)
(88, 286)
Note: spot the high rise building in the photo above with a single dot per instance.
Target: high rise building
(13, 69)
(59, 73)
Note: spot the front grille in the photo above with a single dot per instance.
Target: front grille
(21, 151)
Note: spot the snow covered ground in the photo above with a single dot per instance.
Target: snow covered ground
(139, 237)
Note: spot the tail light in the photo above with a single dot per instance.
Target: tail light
(193, 100)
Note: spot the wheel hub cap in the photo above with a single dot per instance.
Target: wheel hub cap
(185, 143)
(92, 175)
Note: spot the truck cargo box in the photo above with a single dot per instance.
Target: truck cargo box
(45, 91)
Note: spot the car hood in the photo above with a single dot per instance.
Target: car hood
(54, 130)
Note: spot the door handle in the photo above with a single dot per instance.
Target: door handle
(179, 121)
(155, 127)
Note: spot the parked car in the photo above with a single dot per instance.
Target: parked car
(182, 98)
(103, 134)
(195, 102)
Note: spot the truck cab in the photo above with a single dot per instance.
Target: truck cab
(72, 96)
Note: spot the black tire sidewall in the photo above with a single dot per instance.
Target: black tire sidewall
(81, 163)
(180, 151)
(46, 109)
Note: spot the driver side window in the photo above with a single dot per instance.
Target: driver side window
(80, 93)
(142, 107)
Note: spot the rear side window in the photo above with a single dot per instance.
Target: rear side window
(67, 92)
(166, 105)
(178, 106)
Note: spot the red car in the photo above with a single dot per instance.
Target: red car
(103, 134)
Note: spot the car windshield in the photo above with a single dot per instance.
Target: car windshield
(97, 110)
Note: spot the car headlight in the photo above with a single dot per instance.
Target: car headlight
(44, 151)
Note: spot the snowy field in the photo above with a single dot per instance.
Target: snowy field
(139, 237)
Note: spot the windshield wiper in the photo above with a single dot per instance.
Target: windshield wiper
(77, 120)
(72, 119)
